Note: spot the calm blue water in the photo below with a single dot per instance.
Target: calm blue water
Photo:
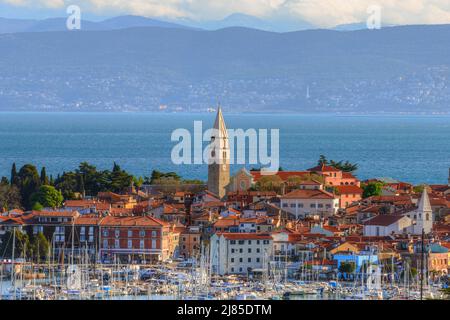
(410, 148)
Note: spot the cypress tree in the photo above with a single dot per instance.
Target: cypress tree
(44, 177)
(14, 174)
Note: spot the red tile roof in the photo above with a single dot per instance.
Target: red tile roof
(308, 194)
(383, 220)
(144, 221)
(246, 236)
(284, 175)
(349, 189)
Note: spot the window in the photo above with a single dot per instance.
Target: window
(232, 269)
(142, 244)
(285, 205)
(195, 239)
(249, 260)
(130, 244)
(241, 250)
(142, 233)
(233, 242)
(232, 250)
(117, 243)
(130, 233)
(257, 259)
(240, 259)
(249, 250)
(83, 230)
(91, 230)
(257, 241)
(249, 241)
(300, 205)
(153, 233)
(117, 233)
(292, 205)
(232, 259)
(312, 205)
(320, 205)
(240, 269)
(258, 250)
(241, 241)
(105, 233)
(266, 241)
(105, 244)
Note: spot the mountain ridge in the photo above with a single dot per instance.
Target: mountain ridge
(396, 69)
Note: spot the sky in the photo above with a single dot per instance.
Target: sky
(320, 13)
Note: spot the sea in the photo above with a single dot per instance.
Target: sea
(409, 148)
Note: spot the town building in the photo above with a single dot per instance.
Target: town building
(240, 253)
(305, 202)
(134, 239)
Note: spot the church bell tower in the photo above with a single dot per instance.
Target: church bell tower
(219, 166)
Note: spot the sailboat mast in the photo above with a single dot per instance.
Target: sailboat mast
(13, 273)
(422, 264)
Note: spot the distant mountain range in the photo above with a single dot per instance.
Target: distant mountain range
(59, 24)
(171, 68)
(130, 21)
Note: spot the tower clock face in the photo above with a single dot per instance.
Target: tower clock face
(224, 167)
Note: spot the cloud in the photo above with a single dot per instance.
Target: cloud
(322, 13)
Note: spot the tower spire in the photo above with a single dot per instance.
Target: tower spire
(219, 169)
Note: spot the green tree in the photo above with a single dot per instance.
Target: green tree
(120, 179)
(22, 244)
(37, 207)
(347, 267)
(158, 175)
(346, 166)
(9, 197)
(269, 183)
(372, 189)
(68, 184)
(48, 196)
(14, 175)
(28, 182)
(40, 247)
(44, 177)
(322, 160)
(419, 188)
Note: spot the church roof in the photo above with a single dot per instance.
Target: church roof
(219, 124)
(424, 202)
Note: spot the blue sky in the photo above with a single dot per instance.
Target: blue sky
(322, 13)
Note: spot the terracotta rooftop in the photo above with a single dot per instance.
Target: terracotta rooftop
(383, 220)
(246, 236)
(308, 194)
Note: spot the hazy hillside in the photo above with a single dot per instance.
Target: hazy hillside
(399, 69)
(59, 24)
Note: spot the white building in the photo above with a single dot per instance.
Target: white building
(240, 253)
(386, 224)
(411, 222)
(310, 202)
(422, 217)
